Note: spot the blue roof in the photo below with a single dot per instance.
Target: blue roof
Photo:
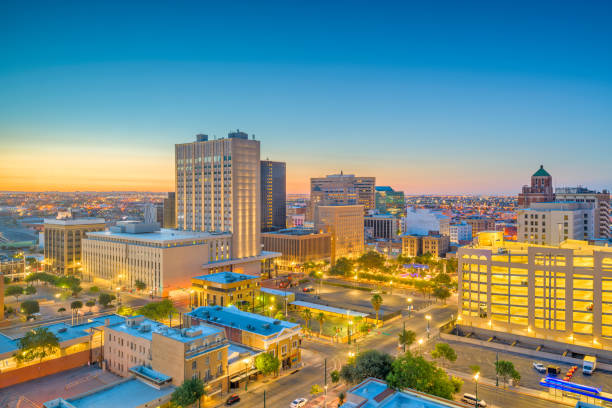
(7, 345)
(225, 277)
(276, 292)
(150, 374)
(230, 316)
(329, 309)
(128, 394)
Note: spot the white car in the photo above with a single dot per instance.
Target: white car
(539, 367)
(298, 403)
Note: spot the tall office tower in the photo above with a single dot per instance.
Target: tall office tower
(553, 223)
(345, 223)
(600, 202)
(541, 189)
(170, 211)
(150, 214)
(217, 189)
(389, 200)
(341, 189)
(273, 195)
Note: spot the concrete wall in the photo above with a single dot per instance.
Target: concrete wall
(43, 369)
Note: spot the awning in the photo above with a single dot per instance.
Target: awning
(243, 375)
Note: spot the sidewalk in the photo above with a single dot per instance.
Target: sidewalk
(519, 389)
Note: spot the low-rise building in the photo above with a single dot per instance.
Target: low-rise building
(163, 259)
(197, 352)
(224, 289)
(277, 337)
(382, 226)
(479, 224)
(415, 245)
(298, 245)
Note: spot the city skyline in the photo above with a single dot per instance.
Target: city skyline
(468, 100)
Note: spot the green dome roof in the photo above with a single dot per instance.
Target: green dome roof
(541, 172)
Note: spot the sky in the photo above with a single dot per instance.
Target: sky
(429, 97)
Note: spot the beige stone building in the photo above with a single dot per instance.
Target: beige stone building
(277, 337)
(298, 245)
(561, 293)
(224, 289)
(165, 260)
(63, 242)
(415, 245)
(198, 352)
(218, 190)
(345, 224)
(553, 223)
(341, 189)
(480, 224)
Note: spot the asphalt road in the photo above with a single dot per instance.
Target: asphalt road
(497, 397)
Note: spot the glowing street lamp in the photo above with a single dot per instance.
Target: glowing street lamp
(476, 377)
(409, 307)
(420, 346)
(246, 366)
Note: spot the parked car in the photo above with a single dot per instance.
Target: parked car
(308, 289)
(540, 368)
(232, 399)
(553, 370)
(298, 403)
(471, 399)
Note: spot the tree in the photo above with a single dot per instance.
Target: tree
(158, 310)
(61, 310)
(279, 315)
(413, 371)
(407, 338)
(307, 316)
(76, 305)
(140, 285)
(315, 389)
(376, 301)
(37, 344)
(335, 376)
(341, 398)
(190, 392)
(125, 311)
(105, 299)
(94, 289)
(321, 319)
(475, 368)
(90, 303)
(343, 267)
(443, 351)
(75, 290)
(266, 363)
(371, 260)
(41, 277)
(505, 370)
(29, 290)
(14, 290)
(441, 292)
(371, 363)
(29, 307)
(443, 279)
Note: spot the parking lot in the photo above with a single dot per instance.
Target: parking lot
(65, 384)
(468, 355)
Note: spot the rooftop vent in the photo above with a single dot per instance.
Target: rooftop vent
(277, 322)
(266, 326)
(63, 330)
(218, 308)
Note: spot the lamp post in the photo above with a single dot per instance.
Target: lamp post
(409, 307)
(476, 376)
(428, 318)
(350, 323)
(420, 346)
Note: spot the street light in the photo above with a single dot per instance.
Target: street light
(409, 307)
(476, 376)
(350, 323)
(420, 346)
(428, 318)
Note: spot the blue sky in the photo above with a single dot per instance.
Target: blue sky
(444, 97)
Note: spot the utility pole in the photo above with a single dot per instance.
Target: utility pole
(325, 381)
(264, 399)
(496, 375)
(403, 334)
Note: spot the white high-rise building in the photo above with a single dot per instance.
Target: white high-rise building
(553, 223)
(218, 189)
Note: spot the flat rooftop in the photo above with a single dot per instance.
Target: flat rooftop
(328, 309)
(130, 393)
(230, 316)
(75, 221)
(293, 231)
(144, 328)
(162, 236)
(225, 277)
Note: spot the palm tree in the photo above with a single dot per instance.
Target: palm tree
(406, 338)
(307, 316)
(321, 319)
(341, 398)
(376, 301)
(37, 344)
